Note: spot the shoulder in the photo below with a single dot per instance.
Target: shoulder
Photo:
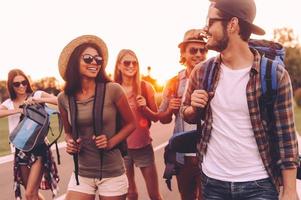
(7, 103)
(62, 98)
(114, 86)
(114, 90)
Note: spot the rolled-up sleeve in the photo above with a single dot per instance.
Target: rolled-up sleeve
(284, 123)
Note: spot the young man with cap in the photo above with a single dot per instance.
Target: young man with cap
(236, 150)
(193, 51)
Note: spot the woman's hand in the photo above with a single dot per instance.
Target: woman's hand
(73, 147)
(32, 100)
(101, 141)
(141, 101)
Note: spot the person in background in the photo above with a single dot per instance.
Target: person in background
(241, 158)
(100, 164)
(141, 97)
(192, 52)
(34, 169)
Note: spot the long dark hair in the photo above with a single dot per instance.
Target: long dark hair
(73, 77)
(11, 75)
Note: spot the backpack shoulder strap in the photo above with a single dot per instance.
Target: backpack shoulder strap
(209, 69)
(144, 90)
(75, 134)
(100, 91)
(269, 84)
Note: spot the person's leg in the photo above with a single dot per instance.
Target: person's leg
(130, 173)
(188, 179)
(151, 179)
(73, 195)
(33, 180)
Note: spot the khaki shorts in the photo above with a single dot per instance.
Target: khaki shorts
(142, 157)
(109, 187)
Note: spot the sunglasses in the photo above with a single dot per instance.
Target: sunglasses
(88, 59)
(128, 63)
(194, 51)
(210, 21)
(18, 84)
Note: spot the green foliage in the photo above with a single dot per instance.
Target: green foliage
(290, 41)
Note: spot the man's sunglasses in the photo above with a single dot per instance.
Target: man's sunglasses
(89, 59)
(194, 51)
(128, 63)
(210, 21)
(18, 84)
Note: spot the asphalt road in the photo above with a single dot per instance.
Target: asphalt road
(160, 134)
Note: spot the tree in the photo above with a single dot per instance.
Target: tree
(290, 41)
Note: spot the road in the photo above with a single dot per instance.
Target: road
(160, 134)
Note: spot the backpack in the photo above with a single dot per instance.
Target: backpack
(100, 92)
(34, 127)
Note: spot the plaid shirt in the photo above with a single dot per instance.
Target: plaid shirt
(277, 152)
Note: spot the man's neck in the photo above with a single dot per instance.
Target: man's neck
(237, 55)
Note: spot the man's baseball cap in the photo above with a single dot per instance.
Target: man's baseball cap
(242, 9)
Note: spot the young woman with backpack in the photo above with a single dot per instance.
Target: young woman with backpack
(141, 98)
(97, 160)
(34, 169)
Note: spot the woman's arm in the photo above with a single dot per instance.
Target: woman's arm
(45, 98)
(149, 109)
(128, 122)
(4, 111)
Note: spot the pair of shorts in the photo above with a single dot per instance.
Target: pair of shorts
(142, 157)
(108, 187)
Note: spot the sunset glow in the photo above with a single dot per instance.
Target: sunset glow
(34, 32)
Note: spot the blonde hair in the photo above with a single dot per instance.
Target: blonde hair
(118, 74)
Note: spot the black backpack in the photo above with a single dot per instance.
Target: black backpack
(100, 92)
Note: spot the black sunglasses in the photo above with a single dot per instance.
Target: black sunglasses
(210, 21)
(128, 63)
(89, 59)
(18, 84)
(194, 51)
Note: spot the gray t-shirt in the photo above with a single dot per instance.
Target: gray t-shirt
(89, 156)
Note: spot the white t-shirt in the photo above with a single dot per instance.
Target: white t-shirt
(13, 120)
(232, 153)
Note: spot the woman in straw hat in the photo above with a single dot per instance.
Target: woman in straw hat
(34, 169)
(142, 101)
(100, 165)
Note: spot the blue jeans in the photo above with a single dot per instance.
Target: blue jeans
(262, 189)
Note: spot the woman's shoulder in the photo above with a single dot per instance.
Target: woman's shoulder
(7, 103)
(114, 86)
(62, 97)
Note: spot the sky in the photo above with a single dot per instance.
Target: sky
(33, 32)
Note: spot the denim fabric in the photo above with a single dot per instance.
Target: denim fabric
(262, 189)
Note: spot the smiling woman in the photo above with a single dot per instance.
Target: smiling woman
(98, 163)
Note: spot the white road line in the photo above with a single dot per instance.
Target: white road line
(155, 149)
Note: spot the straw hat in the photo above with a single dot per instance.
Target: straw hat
(68, 50)
(193, 35)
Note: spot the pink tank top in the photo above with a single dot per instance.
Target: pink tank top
(140, 137)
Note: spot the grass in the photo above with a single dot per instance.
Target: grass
(4, 145)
